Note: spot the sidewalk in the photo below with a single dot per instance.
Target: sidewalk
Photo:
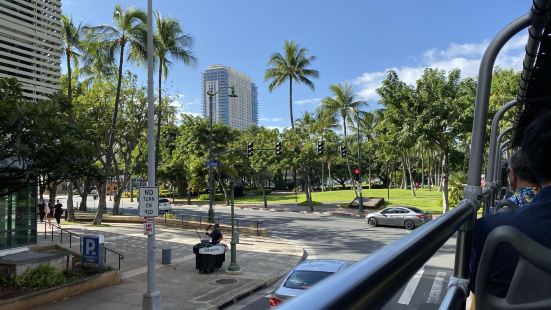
(263, 260)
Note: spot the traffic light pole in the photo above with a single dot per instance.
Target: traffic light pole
(360, 198)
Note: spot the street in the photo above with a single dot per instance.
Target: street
(331, 237)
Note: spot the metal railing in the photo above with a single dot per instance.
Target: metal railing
(370, 283)
(71, 235)
(201, 220)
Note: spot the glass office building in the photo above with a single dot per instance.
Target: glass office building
(18, 218)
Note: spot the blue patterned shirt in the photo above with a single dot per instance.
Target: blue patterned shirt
(523, 196)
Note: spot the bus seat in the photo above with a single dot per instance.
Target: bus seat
(531, 283)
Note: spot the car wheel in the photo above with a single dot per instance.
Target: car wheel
(372, 221)
(409, 225)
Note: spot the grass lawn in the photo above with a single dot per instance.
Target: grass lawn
(426, 200)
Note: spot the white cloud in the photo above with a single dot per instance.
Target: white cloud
(280, 128)
(273, 119)
(465, 56)
(308, 101)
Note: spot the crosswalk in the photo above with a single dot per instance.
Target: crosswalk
(425, 290)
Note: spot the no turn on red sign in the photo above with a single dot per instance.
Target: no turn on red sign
(148, 201)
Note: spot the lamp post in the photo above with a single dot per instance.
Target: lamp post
(211, 94)
(233, 268)
(360, 198)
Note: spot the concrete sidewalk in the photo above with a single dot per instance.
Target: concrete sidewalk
(263, 260)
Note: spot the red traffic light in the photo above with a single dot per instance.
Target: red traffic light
(356, 171)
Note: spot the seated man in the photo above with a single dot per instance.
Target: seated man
(534, 219)
(521, 179)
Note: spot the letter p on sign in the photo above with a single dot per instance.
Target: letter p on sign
(90, 247)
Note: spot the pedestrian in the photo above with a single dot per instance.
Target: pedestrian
(41, 210)
(58, 211)
(49, 213)
(216, 235)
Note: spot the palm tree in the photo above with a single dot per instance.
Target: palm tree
(70, 46)
(344, 104)
(170, 42)
(128, 28)
(293, 66)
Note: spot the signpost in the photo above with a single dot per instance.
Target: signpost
(148, 202)
(92, 251)
(148, 225)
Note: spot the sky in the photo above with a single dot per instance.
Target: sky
(354, 41)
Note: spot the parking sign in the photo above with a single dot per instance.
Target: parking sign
(149, 201)
(92, 250)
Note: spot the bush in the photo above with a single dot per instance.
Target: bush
(171, 216)
(43, 276)
(205, 197)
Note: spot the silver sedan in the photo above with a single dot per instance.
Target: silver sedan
(407, 217)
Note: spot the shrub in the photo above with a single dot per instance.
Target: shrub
(217, 197)
(43, 276)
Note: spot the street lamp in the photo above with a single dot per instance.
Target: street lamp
(211, 94)
(233, 268)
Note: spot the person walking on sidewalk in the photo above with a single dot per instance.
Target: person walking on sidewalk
(41, 210)
(58, 211)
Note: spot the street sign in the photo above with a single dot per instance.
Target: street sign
(148, 201)
(213, 163)
(148, 225)
(92, 250)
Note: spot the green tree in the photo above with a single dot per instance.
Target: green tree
(441, 107)
(344, 104)
(170, 42)
(128, 28)
(292, 66)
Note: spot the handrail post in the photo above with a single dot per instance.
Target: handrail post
(472, 189)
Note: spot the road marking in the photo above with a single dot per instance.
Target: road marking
(436, 289)
(410, 288)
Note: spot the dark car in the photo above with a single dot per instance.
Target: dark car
(407, 217)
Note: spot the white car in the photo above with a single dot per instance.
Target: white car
(305, 275)
(164, 205)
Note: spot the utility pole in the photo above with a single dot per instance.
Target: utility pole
(211, 94)
(151, 298)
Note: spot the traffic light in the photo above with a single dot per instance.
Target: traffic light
(344, 150)
(356, 174)
(320, 148)
(250, 149)
(278, 148)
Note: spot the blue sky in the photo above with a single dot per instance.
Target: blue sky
(354, 40)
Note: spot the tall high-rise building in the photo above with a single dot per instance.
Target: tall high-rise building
(30, 45)
(30, 50)
(238, 112)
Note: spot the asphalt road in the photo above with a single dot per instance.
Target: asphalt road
(325, 236)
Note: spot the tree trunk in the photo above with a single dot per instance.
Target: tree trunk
(102, 203)
(117, 202)
(159, 113)
(109, 156)
(309, 191)
(410, 176)
(445, 178)
(261, 180)
(291, 103)
(404, 173)
(70, 204)
(422, 170)
(322, 179)
(131, 190)
(83, 206)
(225, 191)
(430, 173)
(52, 190)
(329, 172)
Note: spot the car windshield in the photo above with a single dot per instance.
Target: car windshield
(416, 210)
(303, 279)
(163, 200)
